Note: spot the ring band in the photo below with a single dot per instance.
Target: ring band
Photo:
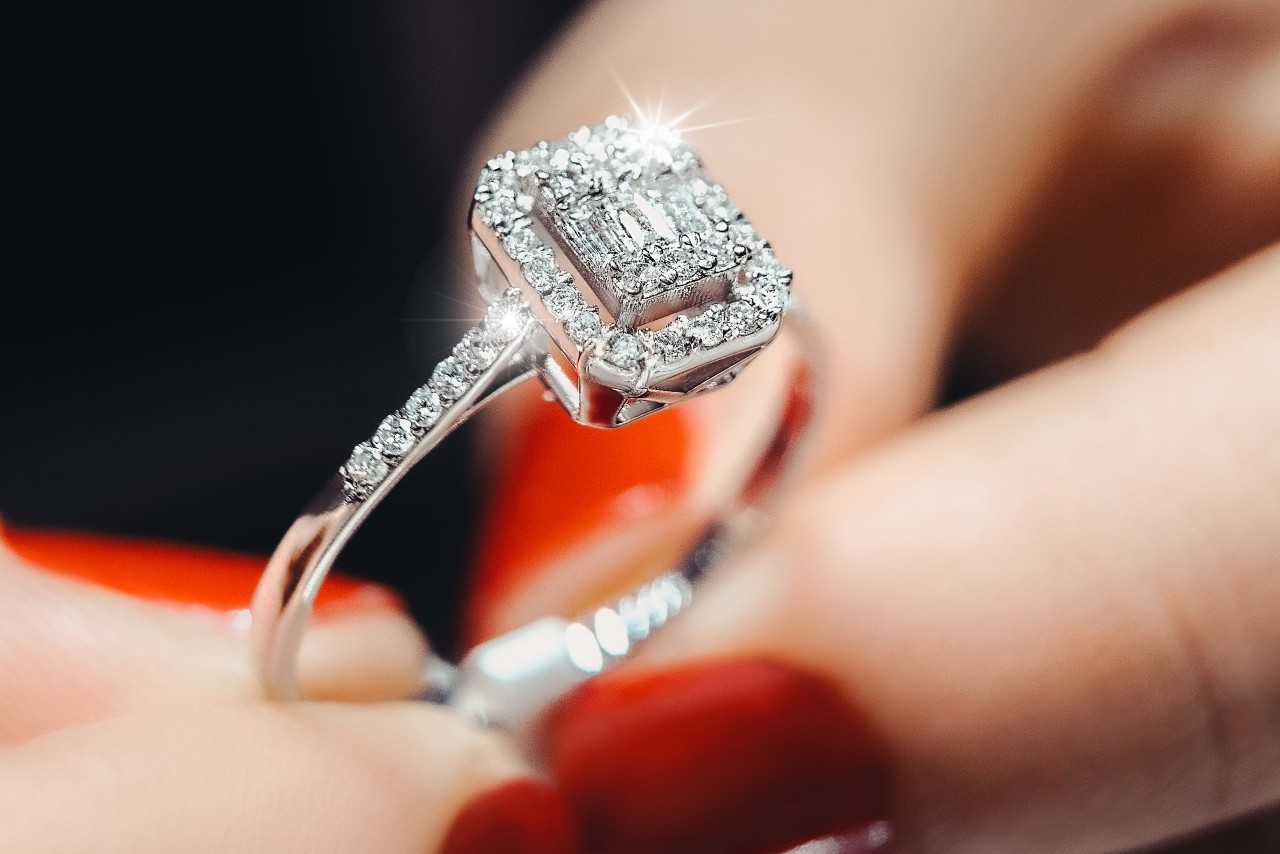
(626, 281)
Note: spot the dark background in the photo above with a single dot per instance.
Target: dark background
(224, 264)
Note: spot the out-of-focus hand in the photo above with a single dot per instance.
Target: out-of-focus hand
(132, 726)
(1047, 618)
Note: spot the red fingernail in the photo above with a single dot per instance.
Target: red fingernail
(714, 757)
(177, 574)
(518, 817)
(564, 483)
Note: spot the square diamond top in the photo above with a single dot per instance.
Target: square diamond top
(636, 214)
(649, 278)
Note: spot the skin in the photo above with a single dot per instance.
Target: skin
(143, 722)
(943, 136)
(1037, 690)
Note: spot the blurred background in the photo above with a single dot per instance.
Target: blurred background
(225, 263)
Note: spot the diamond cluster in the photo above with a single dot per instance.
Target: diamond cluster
(372, 461)
(635, 209)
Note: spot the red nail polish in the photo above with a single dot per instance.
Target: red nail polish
(518, 817)
(733, 756)
(565, 483)
(177, 574)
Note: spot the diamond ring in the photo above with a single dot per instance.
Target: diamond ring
(624, 278)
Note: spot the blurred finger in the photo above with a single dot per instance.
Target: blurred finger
(245, 778)
(1168, 180)
(72, 651)
(1046, 617)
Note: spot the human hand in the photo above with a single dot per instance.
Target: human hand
(132, 725)
(1044, 619)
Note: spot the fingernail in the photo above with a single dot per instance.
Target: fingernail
(179, 575)
(523, 816)
(564, 484)
(746, 755)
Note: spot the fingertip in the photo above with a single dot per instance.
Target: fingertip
(322, 777)
(729, 755)
(363, 654)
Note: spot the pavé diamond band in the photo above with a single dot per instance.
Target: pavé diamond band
(624, 278)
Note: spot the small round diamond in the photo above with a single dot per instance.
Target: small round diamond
(504, 321)
(365, 468)
(563, 302)
(679, 265)
(502, 215)
(705, 333)
(541, 273)
(423, 408)
(740, 319)
(718, 248)
(632, 284)
(394, 436)
(670, 344)
(769, 296)
(743, 234)
(524, 245)
(448, 380)
(624, 351)
(517, 240)
(765, 267)
(585, 326)
(533, 161)
(707, 330)
(475, 352)
(716, 204)
(648, 279)
(494, 183)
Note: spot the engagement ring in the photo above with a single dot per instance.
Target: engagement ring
(624, 278)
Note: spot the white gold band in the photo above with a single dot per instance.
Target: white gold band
(508, 681)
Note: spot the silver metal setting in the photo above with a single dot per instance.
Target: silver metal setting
(647, 278)
(626, 280)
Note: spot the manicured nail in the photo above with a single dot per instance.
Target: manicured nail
(564, 484)
(179, 575)
(746, 755)
(522, 816)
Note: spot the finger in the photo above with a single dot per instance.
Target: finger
(882, 221)
(72, 651)
(1168, 180)
(363, 655)
(1044, 619)
(307, 777)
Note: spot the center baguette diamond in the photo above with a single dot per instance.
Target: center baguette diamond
(649, 246)
(635, 212)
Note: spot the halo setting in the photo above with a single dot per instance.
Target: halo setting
(641, 269)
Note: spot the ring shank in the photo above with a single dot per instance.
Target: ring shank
(484, 685)
(286, 593)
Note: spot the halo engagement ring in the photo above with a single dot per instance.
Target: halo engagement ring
(625, 279)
